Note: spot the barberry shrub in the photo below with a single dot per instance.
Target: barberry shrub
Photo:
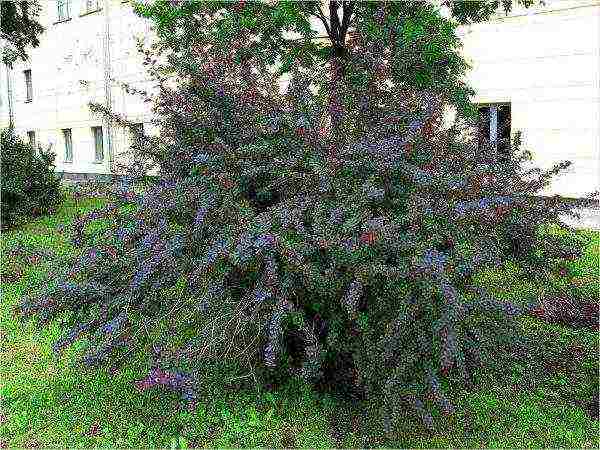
(329, 230)
(30, 187)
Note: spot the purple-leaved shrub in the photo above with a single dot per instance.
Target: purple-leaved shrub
(287, 232)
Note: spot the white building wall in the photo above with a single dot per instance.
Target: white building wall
(4, 118)
(546, 63)
(68, 71)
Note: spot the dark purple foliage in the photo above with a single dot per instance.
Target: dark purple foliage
(369, 215)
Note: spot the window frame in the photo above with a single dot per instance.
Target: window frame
(68, 140)
(495, 133)
(31, 137)
(28, 86)
(66, 13)
(85, 10)
(139, 126)
(95, 131)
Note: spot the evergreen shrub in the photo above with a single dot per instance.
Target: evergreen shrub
(30, 187)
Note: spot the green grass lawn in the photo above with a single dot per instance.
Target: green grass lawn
(47, 401)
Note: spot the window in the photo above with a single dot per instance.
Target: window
(63, 10)
(98, 143)
(137, 129)
(494, 125)
(28, 86)
(68, 145)
(90, 6)
(31, 137)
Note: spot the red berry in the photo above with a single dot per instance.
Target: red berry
(488, 178)
(323, 243)
(428, 129)
(368, 237)
(502, 210)
(226, 182)
(94, 430)
(538, 312)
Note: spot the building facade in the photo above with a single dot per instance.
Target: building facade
(536, 71)
(87, 50)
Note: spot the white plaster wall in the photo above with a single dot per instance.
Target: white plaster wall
(68, 72)
(546, 63)
(4, 116)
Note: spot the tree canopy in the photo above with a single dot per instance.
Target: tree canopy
(310, 34)
(466, 12)
(19, 28)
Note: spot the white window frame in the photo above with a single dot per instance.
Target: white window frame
(493, 123)
(493, 130)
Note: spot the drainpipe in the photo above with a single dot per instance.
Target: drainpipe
(107, 85)
(11, 119)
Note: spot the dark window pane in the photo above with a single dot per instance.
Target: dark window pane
(98, 141)
(504, 121)
(31, 137)
(28, 85)
(68, 145)
(504, 128)
(136, 131)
